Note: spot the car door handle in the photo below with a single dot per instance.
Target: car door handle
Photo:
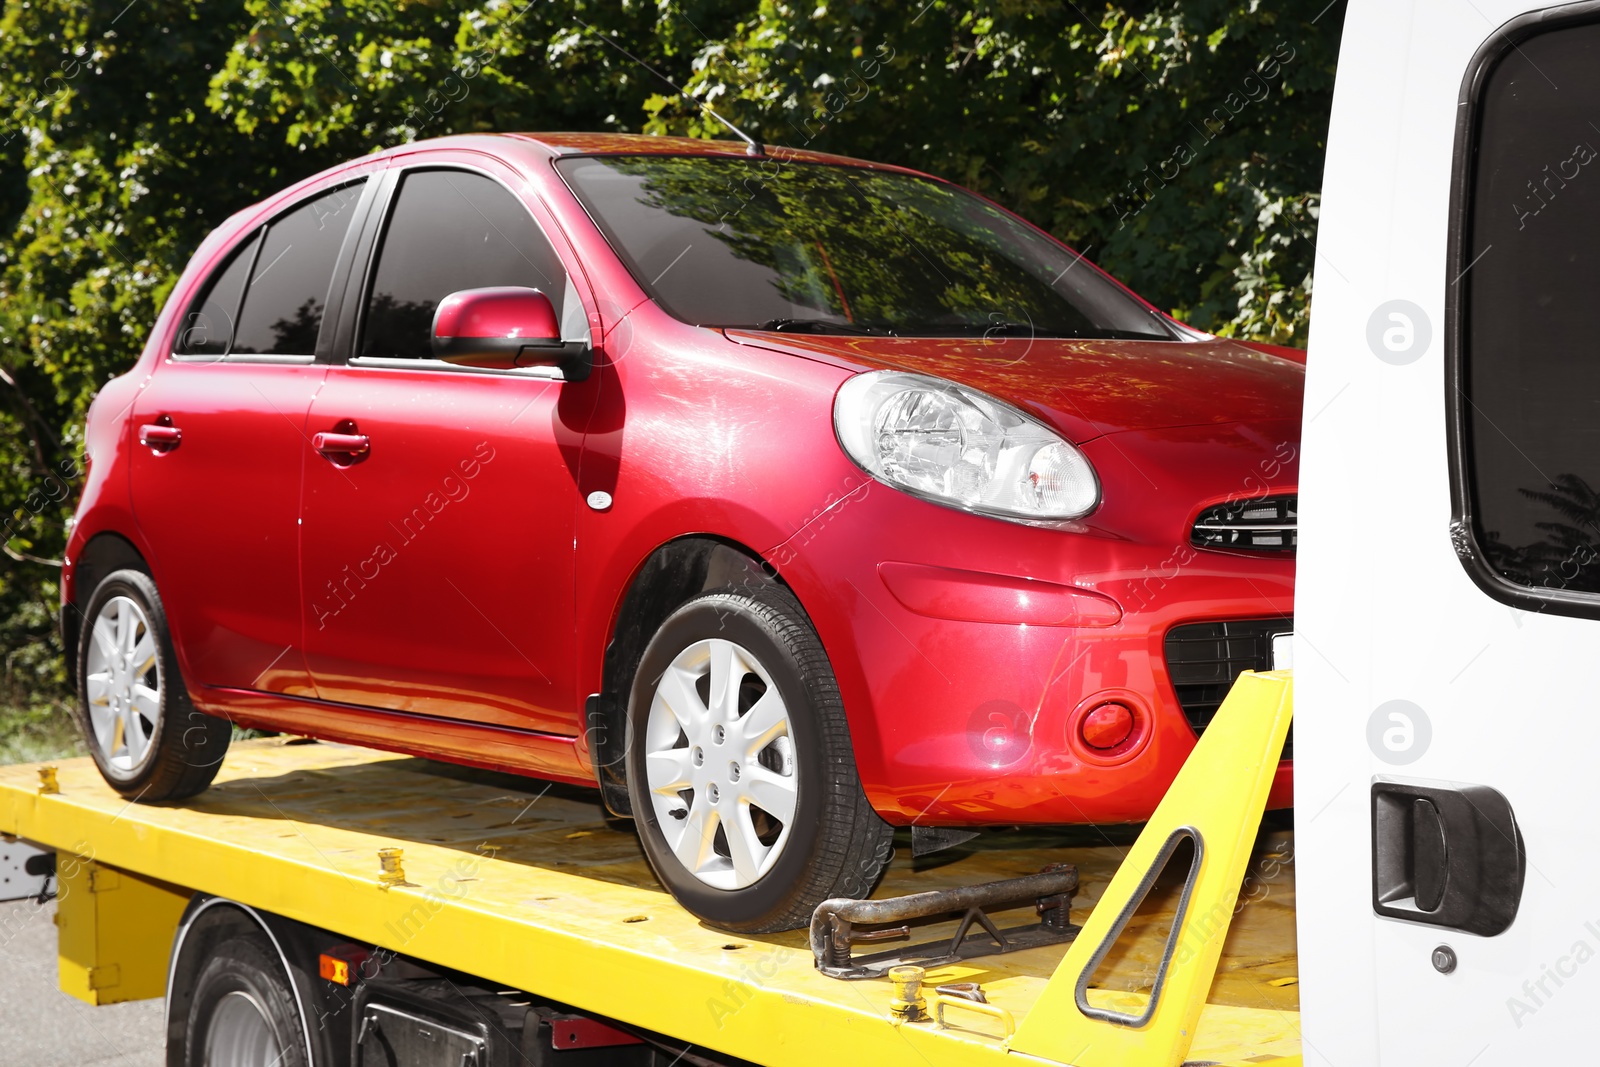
(159, 437)
(341, 444)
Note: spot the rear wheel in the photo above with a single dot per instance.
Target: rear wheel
(243, 1012)
(146, 737)
(740, 768)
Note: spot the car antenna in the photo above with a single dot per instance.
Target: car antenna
(753, 147)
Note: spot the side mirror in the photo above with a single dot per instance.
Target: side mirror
(503, 328)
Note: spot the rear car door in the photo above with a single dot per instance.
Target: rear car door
(220, 426)
(438, 563)
(1449, 571)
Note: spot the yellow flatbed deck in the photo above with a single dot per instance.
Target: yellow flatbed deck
(531, 886)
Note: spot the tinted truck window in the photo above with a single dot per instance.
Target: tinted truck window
(1530, 362)
(288, 287)
(451, 230)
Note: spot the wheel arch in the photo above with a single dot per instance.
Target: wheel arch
(104, 553)
(670, 576)
(206, 923)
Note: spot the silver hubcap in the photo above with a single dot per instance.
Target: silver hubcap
(123, 684)
(720, 764)
(240, 1035)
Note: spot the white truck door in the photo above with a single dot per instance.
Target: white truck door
(1448, 647)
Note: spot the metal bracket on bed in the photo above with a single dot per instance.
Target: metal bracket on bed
(836, 924)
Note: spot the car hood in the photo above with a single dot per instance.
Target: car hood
(1085, 389)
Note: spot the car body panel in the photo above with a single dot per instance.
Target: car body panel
(423, 558)
(1082, 388)
(220, 511)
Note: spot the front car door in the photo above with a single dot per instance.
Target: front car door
(438, 565)
(1449, 568)
(220, 425)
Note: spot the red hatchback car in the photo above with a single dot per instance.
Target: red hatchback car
(788, 498)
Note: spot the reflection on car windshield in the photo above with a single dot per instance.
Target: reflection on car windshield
(809, 247)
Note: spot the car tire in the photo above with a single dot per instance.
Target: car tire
(149, 741)
(243, 1012)
(704, 756)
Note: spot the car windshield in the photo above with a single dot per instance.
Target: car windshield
(810, 247)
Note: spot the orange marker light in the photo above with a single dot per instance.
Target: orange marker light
(334, 970)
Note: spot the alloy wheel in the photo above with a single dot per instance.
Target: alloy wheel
(123, 684)
(720, 764)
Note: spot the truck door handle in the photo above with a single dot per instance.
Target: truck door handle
(341, 444)
(160, 437)
(1447, 854)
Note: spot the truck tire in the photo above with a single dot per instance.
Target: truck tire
(148, 740)
(243, 1012)
(740, 769)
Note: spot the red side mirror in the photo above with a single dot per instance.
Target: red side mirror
(501, 328)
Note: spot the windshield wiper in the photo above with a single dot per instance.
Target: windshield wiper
(815, 326)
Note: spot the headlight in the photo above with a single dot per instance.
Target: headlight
(959, 447)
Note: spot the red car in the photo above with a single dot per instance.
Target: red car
(787, 497)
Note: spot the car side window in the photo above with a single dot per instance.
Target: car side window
(208, 324)
(1528, 403)
(451, 230)
(287, 290)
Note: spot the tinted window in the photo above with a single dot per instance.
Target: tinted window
(288, 288)
(451, 230)
(771, 244)
(1530, 359)
(208, 325)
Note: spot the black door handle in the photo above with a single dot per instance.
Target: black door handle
(1446, 854)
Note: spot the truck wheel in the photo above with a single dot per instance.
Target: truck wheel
(146, 737)
(740, 768)
(243, 1012)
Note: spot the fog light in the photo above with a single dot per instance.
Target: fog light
(1107, 726)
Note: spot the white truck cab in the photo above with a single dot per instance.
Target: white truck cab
(1448, 600)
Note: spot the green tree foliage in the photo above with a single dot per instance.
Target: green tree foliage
(1177, 142)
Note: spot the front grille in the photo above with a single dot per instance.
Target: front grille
(1204, 658)
(1265, 524)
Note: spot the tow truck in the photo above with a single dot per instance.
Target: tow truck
(1432, 905)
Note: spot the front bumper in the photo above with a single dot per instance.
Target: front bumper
(959, 717)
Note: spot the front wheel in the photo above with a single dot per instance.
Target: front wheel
(740, 767)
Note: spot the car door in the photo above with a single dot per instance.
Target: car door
(1449, 570)
(220, 444)
(438, 561)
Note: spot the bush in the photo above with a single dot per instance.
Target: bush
(1177, 142)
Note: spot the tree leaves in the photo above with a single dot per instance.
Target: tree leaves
(1177, 142)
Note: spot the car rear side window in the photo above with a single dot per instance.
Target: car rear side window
(288, 287)
(451, 230)
(208, 325)
(1527, 399)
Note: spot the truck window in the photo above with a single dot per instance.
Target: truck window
(1528, 262)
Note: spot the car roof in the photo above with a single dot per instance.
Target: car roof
(544, 147)
(611, 144)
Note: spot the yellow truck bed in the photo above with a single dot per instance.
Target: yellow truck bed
(529, 885)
